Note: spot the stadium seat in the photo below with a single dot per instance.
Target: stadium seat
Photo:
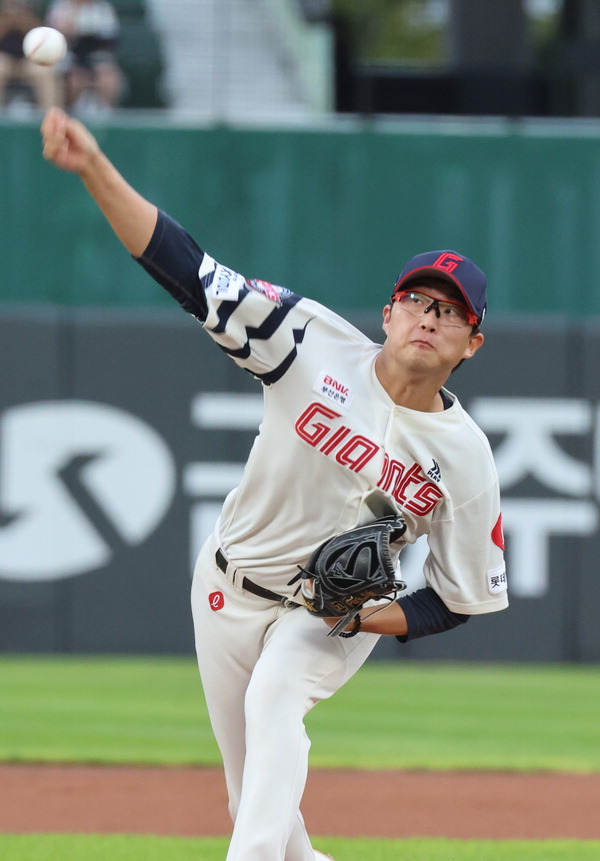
(139, 54)
(130, 10)
(126, 9)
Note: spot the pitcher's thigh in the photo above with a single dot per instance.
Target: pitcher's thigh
(301, 665)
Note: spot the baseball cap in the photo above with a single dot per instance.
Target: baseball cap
(454, 268)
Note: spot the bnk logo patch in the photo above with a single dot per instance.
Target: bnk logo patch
(333, 389)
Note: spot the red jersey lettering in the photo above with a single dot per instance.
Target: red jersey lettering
(425, 499)
(397, 479)
(391, 473)
(409, 486)
(357, 452)
(335, 440)
(414, 475)
(311, 431)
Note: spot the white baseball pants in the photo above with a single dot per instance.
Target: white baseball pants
(263, 667)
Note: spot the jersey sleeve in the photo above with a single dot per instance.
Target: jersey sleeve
(465, 565)
(258, 324)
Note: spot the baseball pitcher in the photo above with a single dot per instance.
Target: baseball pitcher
(362, 450)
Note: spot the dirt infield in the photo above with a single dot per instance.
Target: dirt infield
(191, 802)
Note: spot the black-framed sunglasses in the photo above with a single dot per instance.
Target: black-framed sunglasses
(448, 312)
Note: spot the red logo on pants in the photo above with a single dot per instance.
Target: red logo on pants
(216, 600)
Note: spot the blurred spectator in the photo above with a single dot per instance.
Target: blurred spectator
(91, 27)
(16, 19)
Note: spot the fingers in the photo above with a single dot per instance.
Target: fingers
(52, 116)
(53, 121)
(53, 131)
(66, 142)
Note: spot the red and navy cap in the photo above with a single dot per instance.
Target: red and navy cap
(454, 268)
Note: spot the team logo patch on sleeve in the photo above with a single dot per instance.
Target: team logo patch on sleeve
(497, 581)
(498, 534)
(333, 389)
(226, 284)
(271, 291)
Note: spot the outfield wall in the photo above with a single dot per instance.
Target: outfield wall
(122, 431)
(331, 212)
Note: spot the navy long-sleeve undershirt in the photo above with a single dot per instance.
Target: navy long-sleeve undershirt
(173, 259)
(427, 614)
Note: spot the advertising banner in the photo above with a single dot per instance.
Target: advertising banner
(122, 432)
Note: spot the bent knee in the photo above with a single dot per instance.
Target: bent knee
(272, 700)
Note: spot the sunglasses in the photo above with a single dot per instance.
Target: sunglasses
(448, 312)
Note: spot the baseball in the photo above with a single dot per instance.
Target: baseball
(44, 46)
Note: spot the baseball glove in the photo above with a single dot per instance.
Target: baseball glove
(352, 568)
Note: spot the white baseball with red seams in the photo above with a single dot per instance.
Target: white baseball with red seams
(44, 46)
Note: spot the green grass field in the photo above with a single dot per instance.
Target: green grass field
(430, 716)
(389, 716)
(118, 848)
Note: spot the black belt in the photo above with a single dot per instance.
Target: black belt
(249, 586)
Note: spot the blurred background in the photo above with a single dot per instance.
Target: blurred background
(297, 59)
(317, 144)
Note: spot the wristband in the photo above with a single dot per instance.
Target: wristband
(354, 630)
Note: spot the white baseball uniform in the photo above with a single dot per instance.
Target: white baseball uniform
(333, 451)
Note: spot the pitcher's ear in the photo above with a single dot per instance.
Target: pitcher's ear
(475, 342)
